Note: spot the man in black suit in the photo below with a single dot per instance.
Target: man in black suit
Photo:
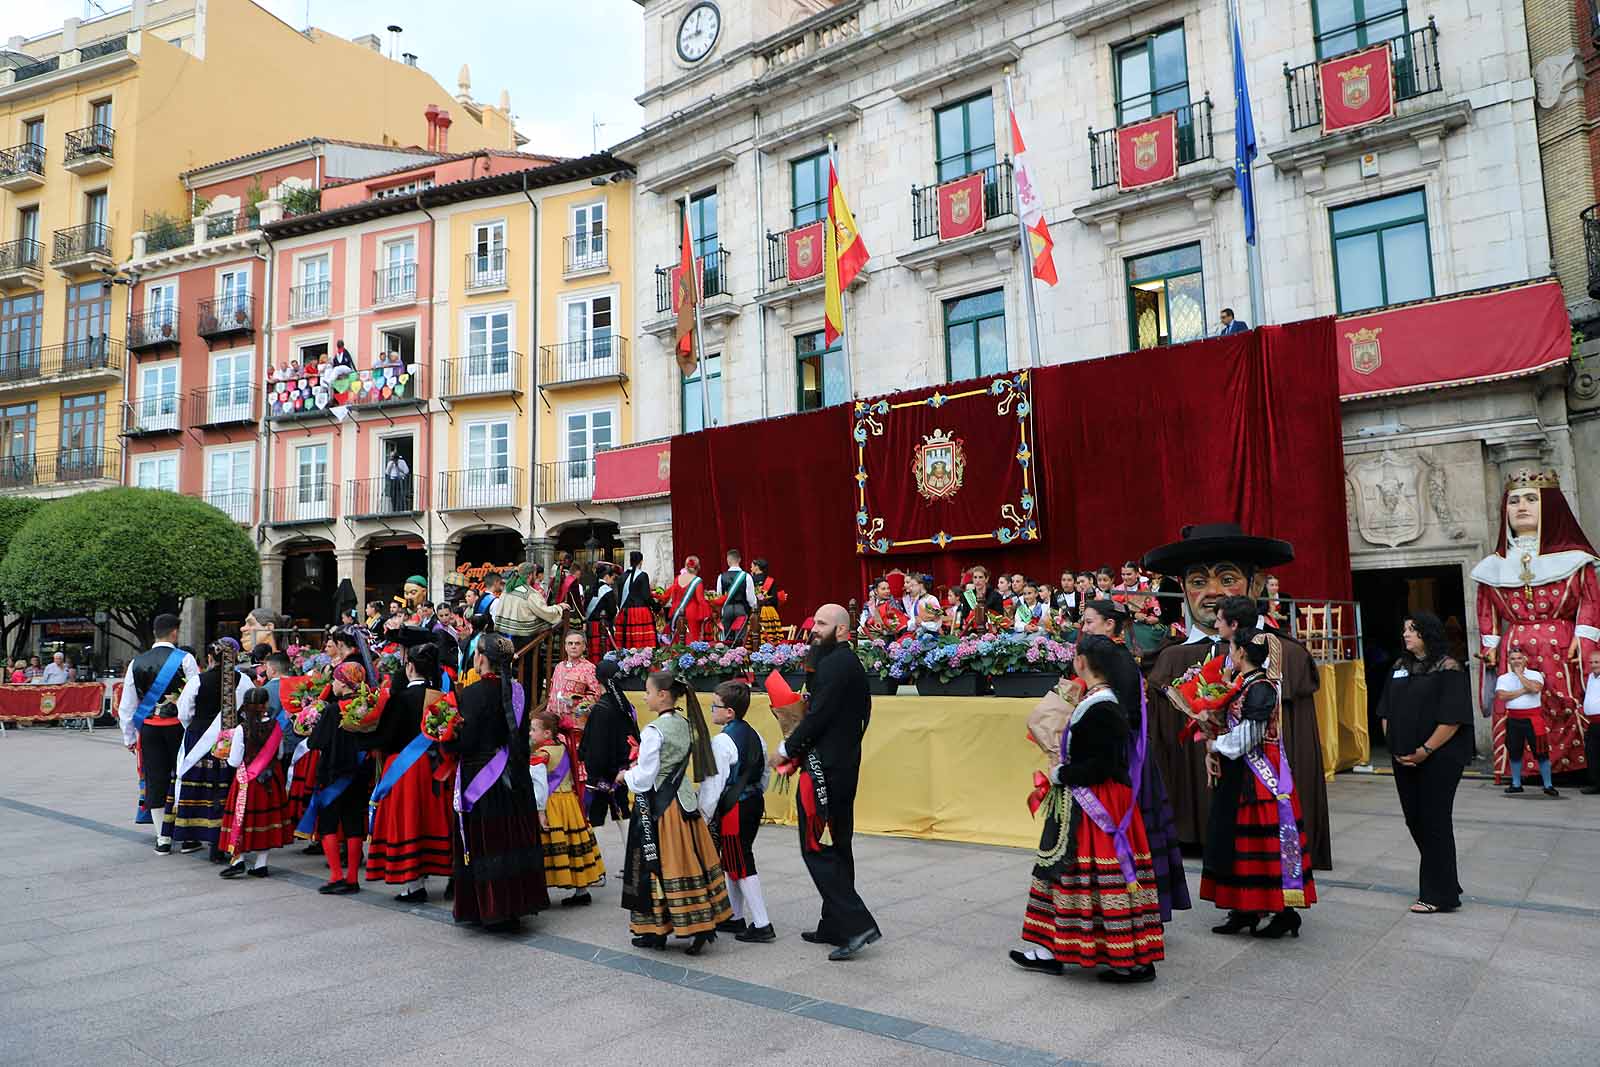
(827, 744)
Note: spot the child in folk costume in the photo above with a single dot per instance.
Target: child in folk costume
(769, 628)
(600, 611)
(256, 817)
(571, 854)
(337, 812)
(673, 883)
(200, 787)
(739, 808)
(609, 737)
(689, 612)
(1030, 615)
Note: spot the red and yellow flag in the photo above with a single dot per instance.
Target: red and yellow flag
(1041, 248)
(844, 253)
(686, 297)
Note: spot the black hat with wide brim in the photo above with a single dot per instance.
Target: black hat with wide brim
(1211, 542)
(413, 636)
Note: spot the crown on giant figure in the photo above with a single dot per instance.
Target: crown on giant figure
(1533, 479)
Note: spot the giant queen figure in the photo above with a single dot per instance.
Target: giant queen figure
(1538, 592)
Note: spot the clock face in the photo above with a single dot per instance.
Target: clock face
(698, 32)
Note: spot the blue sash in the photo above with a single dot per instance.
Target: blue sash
(325, 796)
(158, 688)
(397, 770)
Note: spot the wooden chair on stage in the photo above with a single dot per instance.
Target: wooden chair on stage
(1321, 629)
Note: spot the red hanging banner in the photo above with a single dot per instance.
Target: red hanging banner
(636, 473)
(677, 272)
(961, 207)
(804, 249)
(1147, 152)
(1357, 89)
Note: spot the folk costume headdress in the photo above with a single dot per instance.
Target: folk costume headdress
(1559, 550)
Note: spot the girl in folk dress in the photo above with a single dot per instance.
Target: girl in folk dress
(688, 610)
(256, 816)
(571, 854)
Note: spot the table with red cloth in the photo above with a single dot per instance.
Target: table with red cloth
(45, 703)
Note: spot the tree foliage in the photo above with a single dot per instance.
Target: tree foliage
(122, 551)
(14, 511)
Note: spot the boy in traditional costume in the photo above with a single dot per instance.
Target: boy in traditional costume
(158, 695)
(738, 813)
(738, 594)
(195, 806)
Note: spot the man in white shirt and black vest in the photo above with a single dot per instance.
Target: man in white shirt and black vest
(157, 702)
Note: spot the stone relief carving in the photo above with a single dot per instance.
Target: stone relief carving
(1439, 500)
(1388, 498)
(1556, 77)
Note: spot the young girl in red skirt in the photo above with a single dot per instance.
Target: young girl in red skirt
(255, 819)
(411, 822)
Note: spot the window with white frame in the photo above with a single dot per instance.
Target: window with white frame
(229, 481)
(396, 279)
(229, 398)
(488, 366)
(233, 293)
(157, 472)
(309, 299)
(487, 481)
(310, 497)
(161, 308)
(486, 263)
(585, 433)
(589, 349)
(158, 396)
(588, 242)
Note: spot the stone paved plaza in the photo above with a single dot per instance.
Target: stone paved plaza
(111, 954)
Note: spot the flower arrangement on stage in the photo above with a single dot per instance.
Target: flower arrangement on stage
(950, 655)
(308, 660)
(441, 720)
(786, 657)
(361, 712)
(635, 662)
(1029, 652)
(700, 659)
(1199, 693)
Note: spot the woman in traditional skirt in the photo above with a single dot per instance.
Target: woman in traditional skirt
(1248, 867)
(672, 884)
(257, 814)
(343, 785)
(600, 609)
(636, 618)
(604, 746)
(499, 862)
(195, 803)
(770, 626)
(689, 612)
(571, 854)
(1093, 900)
(411, 823)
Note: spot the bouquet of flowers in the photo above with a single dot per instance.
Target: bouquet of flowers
(223, 748)
(306, 718)
(441, 720)
(1200, 693)
(305, 691)
(659, 592)
(783, 596)
(886, 626)
(784, 658)
(716, 600)
(389, 662)
(635, 662)
(361, 712)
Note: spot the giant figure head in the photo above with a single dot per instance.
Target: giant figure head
(1217, 560)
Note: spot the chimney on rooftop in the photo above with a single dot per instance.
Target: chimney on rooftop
(370, 40)
(410, 58)
(442, 120)
(431, 113)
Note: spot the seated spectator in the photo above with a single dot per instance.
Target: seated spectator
(1008, 596)
(1274, 610)
(19, 672)
(35, 669)
(57, 671)
(1031, 614)
(1104, 579)
(927, 615)
(882, 617)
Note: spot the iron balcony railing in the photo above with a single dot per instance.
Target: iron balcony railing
(1195, 142)
(377, 498)
(309, 301)
(152, 329)
(486, 270)
(480, 488)
(36, 70)
(22, 159)
(491, 372)
(229, 225)
(586, 251)
(76, 242)
(224, 315)
(21, 254)
(83, 356)
(714, 275)
(104, 47)
(96, 140)
(223, 405)
(1415, 67)
(311, 500)
(571, 481)
(998, 199)
(1591, 246)
(238, 504)
(600, 356)
(68, 465)
(152, 414)
(395, 284)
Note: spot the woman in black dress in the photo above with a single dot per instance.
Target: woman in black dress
(604, 749)
(1427, 716)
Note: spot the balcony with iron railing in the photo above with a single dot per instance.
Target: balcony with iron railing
(21, 263)
(153, 329)
(486, 271)
(83, 248)
(1414, 66)
(104, 47)
(308, 303)
(998, 199)
(384, 498)
(480, 489)
(22, 167)
(598, 358)
(223, 315)
(37, 69)
(395, 284)
(238, 504)
(156, 413)
(68, 466)
(1194, 137)
(585, 253)
(89, 149)
(314, 393)
(216, 406)
(493, 372)
(89, 357)
(310, 501)
(713, 274)
(1590, 216)
(570, 481)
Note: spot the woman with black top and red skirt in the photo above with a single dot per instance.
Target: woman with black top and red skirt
(341, 820)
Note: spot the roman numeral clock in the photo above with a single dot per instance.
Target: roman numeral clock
(698, 32)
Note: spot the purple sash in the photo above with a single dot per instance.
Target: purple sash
(1096, 811)
(1279, 782)
(487, 775)
(558, 773)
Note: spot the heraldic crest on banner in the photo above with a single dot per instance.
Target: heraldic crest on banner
(805, 249)
(959, 494)
(1366, 352)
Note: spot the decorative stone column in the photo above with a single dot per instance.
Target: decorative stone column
(540, 550)
(271, 595)
(1512, 456)
(441, 561)
(352, 564)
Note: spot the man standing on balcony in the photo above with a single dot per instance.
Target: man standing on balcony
(397, 479)
(342, 356)
(157, 701)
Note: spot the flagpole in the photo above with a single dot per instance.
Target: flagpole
(1252, 248)
(1022, 237)
(844, 297)
(699, 325)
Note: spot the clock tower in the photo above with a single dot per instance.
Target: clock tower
(686, 38)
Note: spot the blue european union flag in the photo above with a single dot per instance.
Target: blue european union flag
(1244, 135)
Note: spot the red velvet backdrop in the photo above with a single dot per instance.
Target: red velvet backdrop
(1131, 448)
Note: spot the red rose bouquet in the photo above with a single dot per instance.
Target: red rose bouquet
(1200, 693)
(361, 712)
(441, 720)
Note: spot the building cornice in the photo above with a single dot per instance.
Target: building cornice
(1426, 129)
(672, 182)
(914, 89)
(836, 118)
(1099, 13)
(1199, 187)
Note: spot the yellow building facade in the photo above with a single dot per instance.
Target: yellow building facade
(97, 121)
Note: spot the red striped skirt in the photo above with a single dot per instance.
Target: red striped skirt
(266, 815)
(411, 828)
(1253, 878)
(636, 628)
(599, 640)
(304, 784)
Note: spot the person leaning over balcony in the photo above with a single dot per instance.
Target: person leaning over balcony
(1231, 324)
(342, 356)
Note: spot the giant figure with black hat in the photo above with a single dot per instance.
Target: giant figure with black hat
(1214, 561)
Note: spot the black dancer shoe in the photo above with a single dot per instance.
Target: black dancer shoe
(232, 870)
(1237, 921)
(314, 848)
(188, 847)
(758, 935)
(731, 926)
(657, 941)
(164, 848)
(259, 872)
(504, 926)
(1513, 790)
(578, 900)
(418, 895)
(332, 886)
(344, 889)
(1285, 922)
(854, 945)
(1028, 963)
(816, 937)
(698, 945)
(1551, 791)
(1147, 973)
(216, 855)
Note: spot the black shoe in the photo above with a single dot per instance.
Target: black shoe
(346, 888)
(577, 900)
(816, 937)
(259, 872)
(1590, 790)
(1551, 791)
(450, 889)
(188, 847)
(732, 926)
(415, 896)
(1513, 790)
(1238, 921)
(216, 855)
(854, 945)
(332, 886)
(757, 935)
(164, 848)
(1285, 922)
(1147, 973)
(504, 926)
(650, 941)
(1028, 963)
(698, 945)
(232, 870)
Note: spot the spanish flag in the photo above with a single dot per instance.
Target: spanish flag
(686, 297)
(844, 253)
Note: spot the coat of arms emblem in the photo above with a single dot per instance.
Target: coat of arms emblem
(1144, 150)
(805, 250)
(939, 465)
(1365, 354)
(1388, 499)
(664, 464)
(47, 703)
(1357, 87)
(960, 206)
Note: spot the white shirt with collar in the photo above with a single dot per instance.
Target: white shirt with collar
(1591, 697)
(1510, 683)
(130, 696)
